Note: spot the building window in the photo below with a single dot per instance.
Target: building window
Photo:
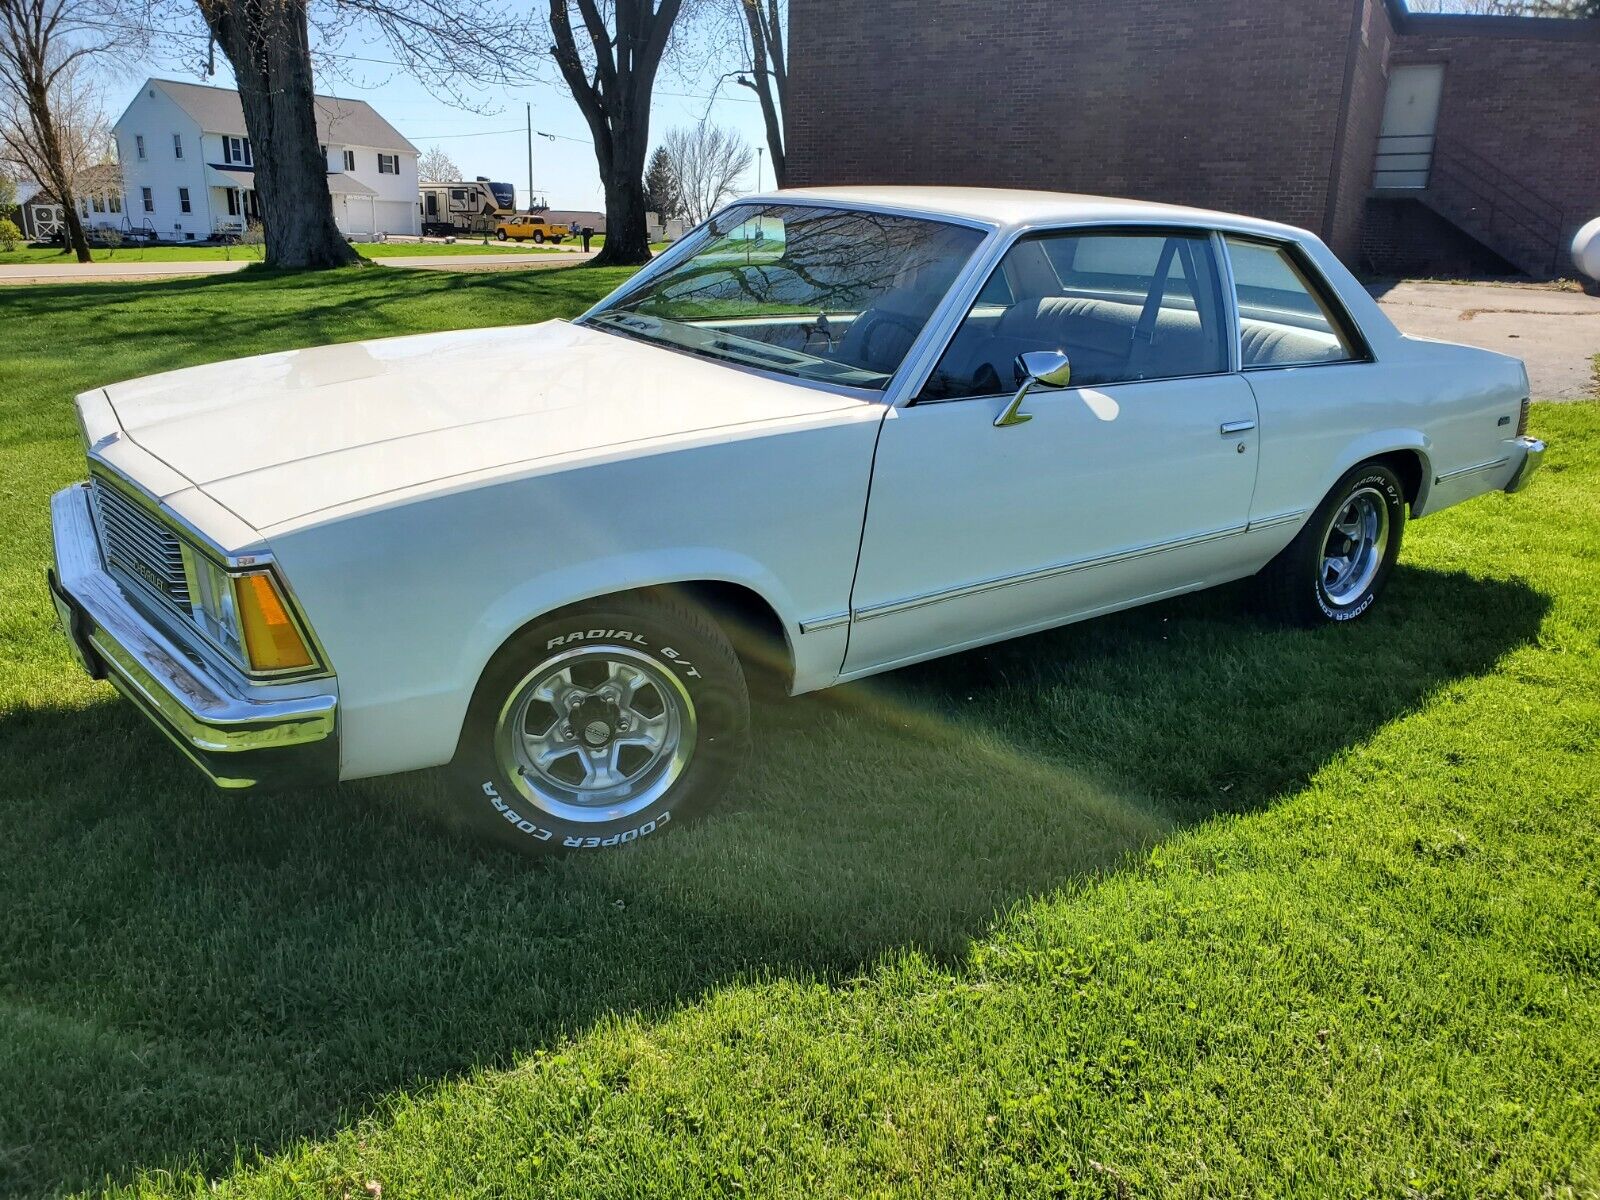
(99, 202)
(83, 207)
(349, 160)
(233, 203)
(138, 144)
(149, 200)
(183, 200)
(236, 150)
(388, 164)
(177, 146)
(115, 201)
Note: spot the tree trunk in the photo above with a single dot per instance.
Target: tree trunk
(627, 222)
(771, 75)
(268, 44)
(616, 105)
(58, 177)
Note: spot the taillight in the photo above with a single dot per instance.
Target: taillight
(1522, 418)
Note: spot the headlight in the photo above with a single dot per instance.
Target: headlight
(246, 615)
(211, 593)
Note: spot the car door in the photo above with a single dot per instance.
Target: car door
(1130, 483)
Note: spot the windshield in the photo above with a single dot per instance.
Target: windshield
(827, 294)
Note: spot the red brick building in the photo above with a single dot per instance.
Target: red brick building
(1412, 143)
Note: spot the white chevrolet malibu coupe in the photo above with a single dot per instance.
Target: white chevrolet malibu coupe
(829, 433)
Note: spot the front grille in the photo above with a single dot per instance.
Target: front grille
(140, 547)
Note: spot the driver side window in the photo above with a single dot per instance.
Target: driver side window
(1124, 306)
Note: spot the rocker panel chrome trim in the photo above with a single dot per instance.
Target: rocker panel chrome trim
(1472, 470)
(822, 624)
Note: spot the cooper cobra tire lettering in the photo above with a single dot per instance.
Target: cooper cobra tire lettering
(684, 642)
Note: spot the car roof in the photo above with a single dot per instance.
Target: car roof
(1009, 208)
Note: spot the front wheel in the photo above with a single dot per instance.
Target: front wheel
(1338, 563)
(501, 234)
(601, 725)
(538, 238)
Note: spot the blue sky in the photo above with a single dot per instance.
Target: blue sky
(491, 142)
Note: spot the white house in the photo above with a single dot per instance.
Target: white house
(189, 173)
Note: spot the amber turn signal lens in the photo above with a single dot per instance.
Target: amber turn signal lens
(270, 637)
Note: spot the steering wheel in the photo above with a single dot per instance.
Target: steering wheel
(865, 327)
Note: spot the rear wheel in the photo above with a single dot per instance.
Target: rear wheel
(601, 725)
(1339, 562)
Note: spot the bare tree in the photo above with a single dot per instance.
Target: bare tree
(766, 43)
(612, 76)
(50, 116)
(437, 167)
(708, 161)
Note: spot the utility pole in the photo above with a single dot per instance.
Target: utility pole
(530, 157)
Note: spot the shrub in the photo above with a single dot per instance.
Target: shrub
(10, 235)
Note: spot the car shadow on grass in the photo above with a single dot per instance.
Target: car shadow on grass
(189, 974)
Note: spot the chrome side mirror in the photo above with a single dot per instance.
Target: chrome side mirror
(1039, 368)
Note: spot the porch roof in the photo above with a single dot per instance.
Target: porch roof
(224, 177)
(340, 184)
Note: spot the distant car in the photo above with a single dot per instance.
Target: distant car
(531, 227)
(828, 434)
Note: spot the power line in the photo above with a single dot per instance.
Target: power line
(196, 36)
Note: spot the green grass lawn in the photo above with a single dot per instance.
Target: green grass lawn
(1175, 903)
(35, 255)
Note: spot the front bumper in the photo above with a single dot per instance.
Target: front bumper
(1532, 459)
(238, 733)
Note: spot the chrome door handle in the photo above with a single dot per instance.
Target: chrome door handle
(1229, 428)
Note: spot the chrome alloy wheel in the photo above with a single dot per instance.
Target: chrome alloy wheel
(1354, 546)
(596, 734)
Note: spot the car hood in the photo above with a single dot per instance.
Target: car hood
(283, 436)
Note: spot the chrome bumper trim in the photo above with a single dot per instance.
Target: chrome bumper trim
(210, 716)
(1532, 460)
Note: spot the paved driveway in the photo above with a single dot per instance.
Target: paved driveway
(1556, 333)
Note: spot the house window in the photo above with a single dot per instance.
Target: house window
(138, 143)
(83, 207)
(233, 203)
(177, 146)
(388, 164)
(99, 202)
(183, 200)
(349, 160)
(149, 199)
(115, 201)
(236, 150)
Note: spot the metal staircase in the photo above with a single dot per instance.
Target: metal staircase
(1478, 197)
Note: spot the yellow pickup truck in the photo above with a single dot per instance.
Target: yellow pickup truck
(523, 226)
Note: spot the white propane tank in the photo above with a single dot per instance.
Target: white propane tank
(1586, 249)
